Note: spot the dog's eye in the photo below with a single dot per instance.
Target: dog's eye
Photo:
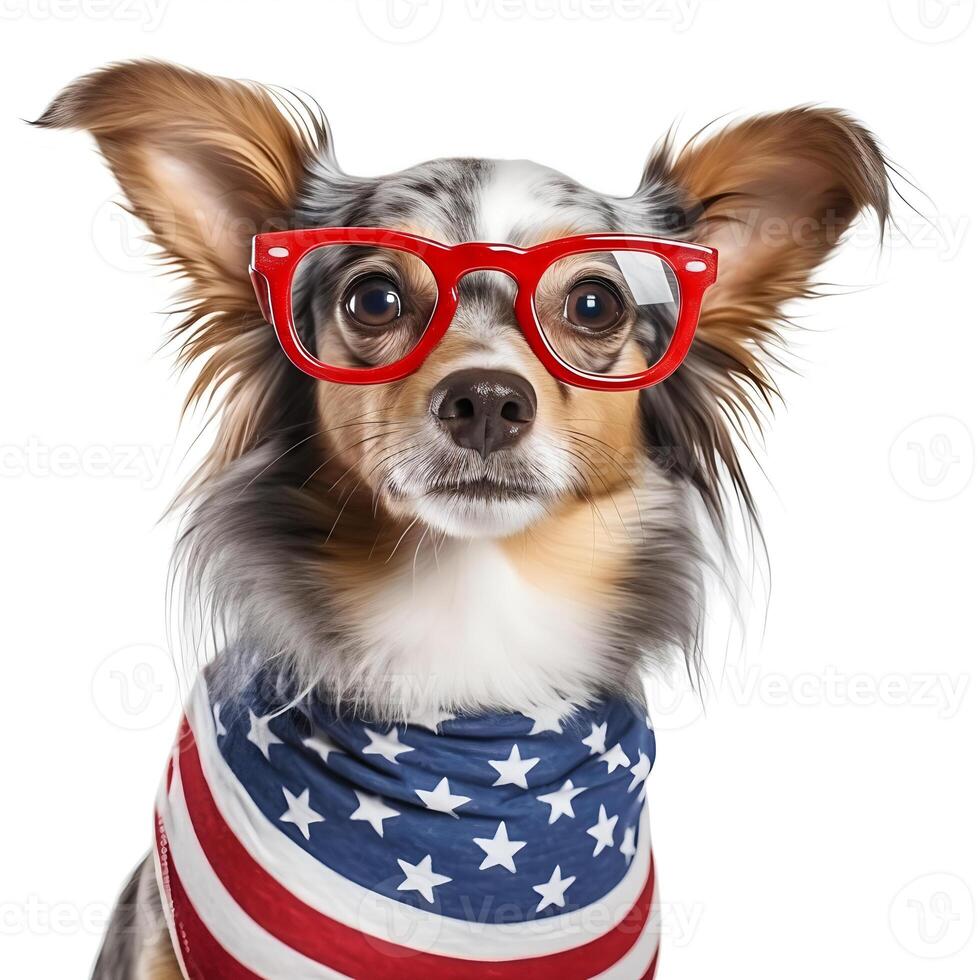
(373, 301)
(593, 305)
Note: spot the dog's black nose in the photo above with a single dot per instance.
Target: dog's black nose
(484, 410)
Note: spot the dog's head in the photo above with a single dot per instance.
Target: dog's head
(318, 496)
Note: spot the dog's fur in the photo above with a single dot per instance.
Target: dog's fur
(336, 530)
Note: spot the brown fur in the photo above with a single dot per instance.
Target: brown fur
(161, 963)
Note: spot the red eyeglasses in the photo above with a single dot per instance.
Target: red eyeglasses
(606, 312)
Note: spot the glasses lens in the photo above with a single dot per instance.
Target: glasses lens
(611, 313)
(360, 306)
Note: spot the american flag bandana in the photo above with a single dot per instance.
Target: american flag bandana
(296, 843)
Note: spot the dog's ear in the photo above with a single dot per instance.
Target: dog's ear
(774, 194)
(205, 162)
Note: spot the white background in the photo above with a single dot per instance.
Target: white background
(821, 818)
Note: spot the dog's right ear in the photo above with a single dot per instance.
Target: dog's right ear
(205, 162)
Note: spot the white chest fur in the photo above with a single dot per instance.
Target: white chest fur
(466, 630)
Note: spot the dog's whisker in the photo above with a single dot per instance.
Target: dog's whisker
(376, 493)
(359, 442)
(628, 478)
(357, 461)
(265, 469)
(608, 452)
(340, 514)
(609, 495)
(590, 500)
(401, 539)
(415, 558)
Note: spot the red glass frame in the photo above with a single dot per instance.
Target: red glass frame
(276, 256)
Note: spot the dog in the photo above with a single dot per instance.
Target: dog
(495, 534)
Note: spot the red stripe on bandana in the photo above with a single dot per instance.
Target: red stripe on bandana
(202, 957)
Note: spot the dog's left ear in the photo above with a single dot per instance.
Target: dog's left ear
(774, 194)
